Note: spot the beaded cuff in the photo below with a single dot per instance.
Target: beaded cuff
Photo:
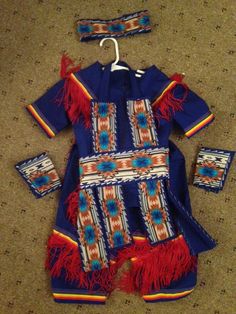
(212, 168)
(40, 175)
(129, 24)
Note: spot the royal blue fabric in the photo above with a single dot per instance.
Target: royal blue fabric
(49, 108)
(117, 87)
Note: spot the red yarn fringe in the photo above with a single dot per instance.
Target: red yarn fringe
(156, 267)
(76, 102)
(72, 202)
(136, 249)
(63, 258)
(74, 98)
(66, 61)
(177, 77)
(168, 103)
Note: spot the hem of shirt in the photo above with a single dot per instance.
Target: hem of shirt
(78, 296)
(41, 120)
(200, 125)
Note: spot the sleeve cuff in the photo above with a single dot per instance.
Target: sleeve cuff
(41, 120)
(200, 124)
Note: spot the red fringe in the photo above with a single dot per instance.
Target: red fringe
(138, 248)
(156, 267)
(74, 99)
(177, 77)
(72, 202)
(168, 104)
(63, 258)
(76, 103)
(66, 61)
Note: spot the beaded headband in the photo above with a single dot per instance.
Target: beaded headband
(129, 24)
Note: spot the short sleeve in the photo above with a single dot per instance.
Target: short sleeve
(48, 112)
(172, 98)
(194, 116)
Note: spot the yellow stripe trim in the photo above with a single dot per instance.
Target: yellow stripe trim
(199, 125)
(161, 295)
(82, 296)
(81, 86)
(165, 90)
(144, 238)
(139, 238)
(65, 237)
(40, 120)
(113, 262)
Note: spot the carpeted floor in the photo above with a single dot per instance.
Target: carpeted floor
(195, 37)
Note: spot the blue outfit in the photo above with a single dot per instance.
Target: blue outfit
(130, 185)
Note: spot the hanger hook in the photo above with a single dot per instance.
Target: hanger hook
(116, 47)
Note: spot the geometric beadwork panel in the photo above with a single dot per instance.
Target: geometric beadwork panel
(125, 25)
(92, 244)
(142, 123)
(40, 175)
(104, 128)
(154, 210)
(212, 168)
(133, 165)
(115, 218)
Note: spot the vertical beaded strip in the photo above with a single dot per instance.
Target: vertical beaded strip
(104, 126)
(154, 211)
(142, 123)
(92, 247)
(151, 194)
(111, 198)
(115, 218)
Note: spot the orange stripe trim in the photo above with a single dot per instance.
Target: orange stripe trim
(113, 262)
(157, 296)
(76, 80)
(172, 84)
(133, 259)
(40, 120)
(64, 296)
(136, 238)
(199, 125)
(65, 237)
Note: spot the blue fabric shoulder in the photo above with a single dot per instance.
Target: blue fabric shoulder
(90, 78)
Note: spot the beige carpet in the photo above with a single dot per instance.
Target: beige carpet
(195, 37)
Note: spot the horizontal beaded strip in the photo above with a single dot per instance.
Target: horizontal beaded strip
(134, 165)
(130, 24)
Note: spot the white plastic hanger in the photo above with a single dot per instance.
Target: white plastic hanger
(114, 66)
